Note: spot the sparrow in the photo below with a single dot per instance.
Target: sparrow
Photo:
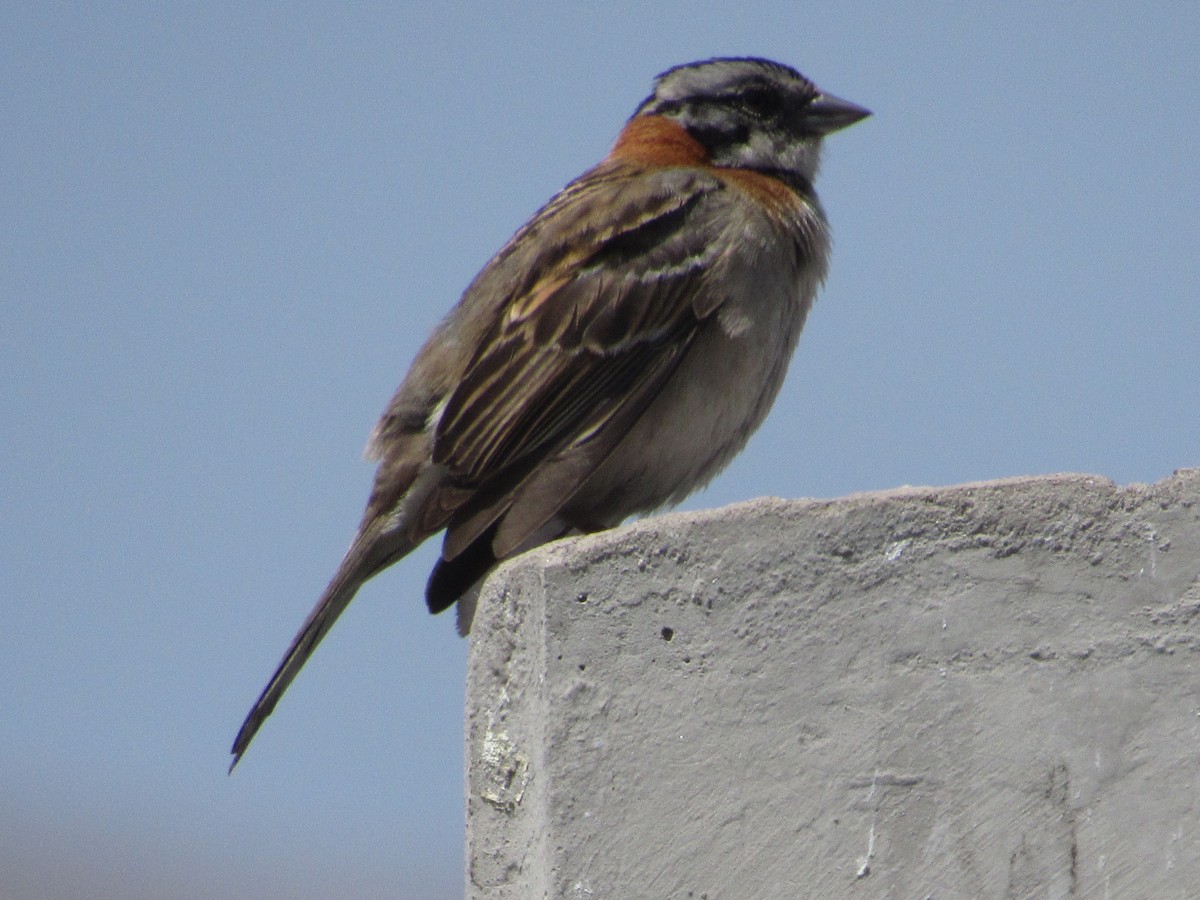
(616, 353)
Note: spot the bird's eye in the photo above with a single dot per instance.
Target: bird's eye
(759, 102)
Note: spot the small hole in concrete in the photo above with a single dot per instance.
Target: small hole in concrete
(667, 633)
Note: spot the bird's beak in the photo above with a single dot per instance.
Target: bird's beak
(828, 113)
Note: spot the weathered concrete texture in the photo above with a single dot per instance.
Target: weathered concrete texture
(981, 691)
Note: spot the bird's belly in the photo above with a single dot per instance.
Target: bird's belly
(706, 412)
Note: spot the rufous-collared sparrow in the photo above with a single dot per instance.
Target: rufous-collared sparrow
(618, 350)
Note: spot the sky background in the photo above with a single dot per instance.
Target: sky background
(227, 229)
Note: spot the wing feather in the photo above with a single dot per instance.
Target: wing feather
(572, 347)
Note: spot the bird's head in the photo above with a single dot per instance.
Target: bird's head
(751, 113)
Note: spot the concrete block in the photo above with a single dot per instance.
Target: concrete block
(988, 690)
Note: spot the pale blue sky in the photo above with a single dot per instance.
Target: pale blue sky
(227, 232)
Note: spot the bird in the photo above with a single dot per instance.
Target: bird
(617, 351)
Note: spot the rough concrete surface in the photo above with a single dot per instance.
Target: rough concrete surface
(988, 690)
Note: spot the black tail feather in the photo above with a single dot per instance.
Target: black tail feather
(450, 579)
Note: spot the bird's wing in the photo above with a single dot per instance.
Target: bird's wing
(599, 318)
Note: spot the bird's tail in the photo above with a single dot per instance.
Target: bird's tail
(371, 552)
